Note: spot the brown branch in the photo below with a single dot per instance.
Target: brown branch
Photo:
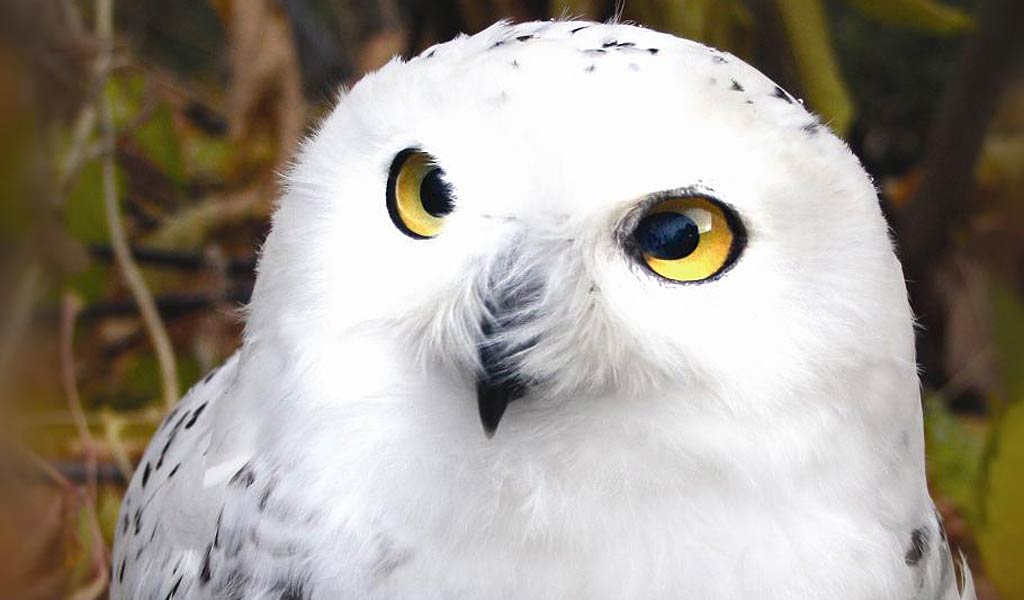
(954, 142)
(69, 314)
(118, 238)
(938, 206)
(177, 259)
(96, 587)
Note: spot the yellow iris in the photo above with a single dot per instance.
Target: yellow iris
(418, 199)
(704, 256)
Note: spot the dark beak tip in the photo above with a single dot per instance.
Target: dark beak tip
(492, 400)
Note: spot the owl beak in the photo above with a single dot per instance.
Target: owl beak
(492, 400)
(498, 382)
(511, 304)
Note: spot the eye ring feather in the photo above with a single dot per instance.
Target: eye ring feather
(418, 195)
(685, 236)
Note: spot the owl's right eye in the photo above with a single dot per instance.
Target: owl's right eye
(418, 197)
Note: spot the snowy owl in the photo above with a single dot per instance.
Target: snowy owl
(559, 310)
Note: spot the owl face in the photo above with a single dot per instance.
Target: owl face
(569, 210)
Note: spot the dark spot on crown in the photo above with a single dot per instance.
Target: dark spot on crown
(652, 50)
(736, 87)
(609, 44)
(811, 128)
(120, 571)
(595, 51)
(918, 546)
(174, 470)
(514, 64)
(591, 68)
(523, 38)
(497, 44)
(431, 54)
(145, 474)
(718, 59)
(138, 520)
(782, 95)
(210, 375)
(578, 29)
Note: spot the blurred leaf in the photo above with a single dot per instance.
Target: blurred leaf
(108, 505)
(1001, 541)
(158, 137)
(807, 31)
(92, 284)
(926, 15)
(208, 157)
(718, 23)
(1008, 316)
(954, 452)
(84, 210)
(1001, 536)
(125, 93)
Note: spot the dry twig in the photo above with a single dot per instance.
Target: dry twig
(95, 588)
(69, 314)
(118, 238)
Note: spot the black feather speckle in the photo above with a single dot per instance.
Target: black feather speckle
(195, 415)
(244, 477)
(782, 95)
(918, 546)
(205, 573)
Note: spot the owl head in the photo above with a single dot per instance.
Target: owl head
(576, 214)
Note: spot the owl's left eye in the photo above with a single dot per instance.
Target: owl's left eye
(689, 239)
(418, 197)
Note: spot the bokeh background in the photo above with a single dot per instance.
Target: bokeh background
(140, 142)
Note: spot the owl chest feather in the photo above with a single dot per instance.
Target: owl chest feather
(608, 509)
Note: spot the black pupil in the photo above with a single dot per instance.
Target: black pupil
(667, 235)
(436, 194)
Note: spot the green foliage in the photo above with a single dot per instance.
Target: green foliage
(158, 139)
(954, 449)
(1001, 538)
(923, 15)
(1001, 535)
(83, 212)
(804, 21)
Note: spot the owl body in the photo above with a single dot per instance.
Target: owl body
(746, 427)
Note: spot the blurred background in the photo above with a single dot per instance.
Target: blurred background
(140, 142)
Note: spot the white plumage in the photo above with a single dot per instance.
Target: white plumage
(756, 434)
